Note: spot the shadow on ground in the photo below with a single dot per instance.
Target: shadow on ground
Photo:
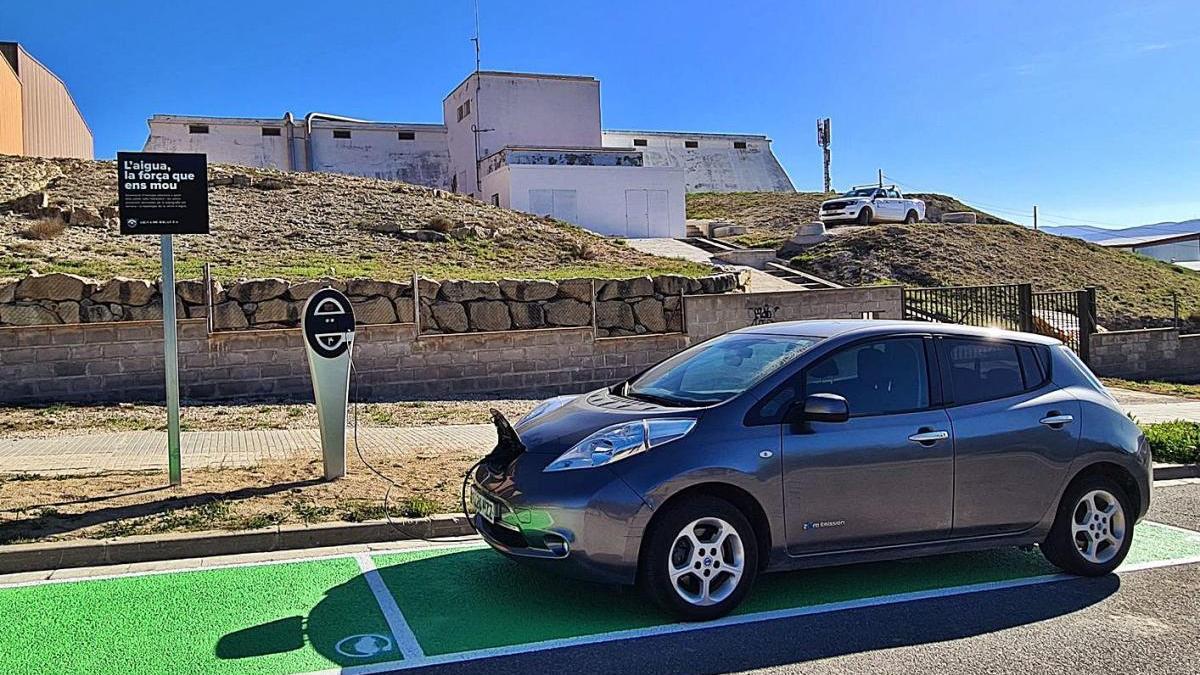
(475, 599)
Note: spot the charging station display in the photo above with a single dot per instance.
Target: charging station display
(328, 327)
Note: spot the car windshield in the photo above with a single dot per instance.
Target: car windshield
(861, 192)
(717, 370)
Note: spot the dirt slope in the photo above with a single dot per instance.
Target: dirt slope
(300, 225)
(1134, 291)
(772, 217)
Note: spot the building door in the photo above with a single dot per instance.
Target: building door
(646, 213)
(560, 204)
(637, 215)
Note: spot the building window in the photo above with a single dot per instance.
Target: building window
(739, 145)
(197, 128)
(341, 133)
(270, 131)
(464, 109)
(407, 135)
(638, 142)
(496, 199)
(691, 144)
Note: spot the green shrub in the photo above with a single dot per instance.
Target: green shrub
(1177, 442)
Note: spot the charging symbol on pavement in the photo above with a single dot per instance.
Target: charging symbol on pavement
(363, 646)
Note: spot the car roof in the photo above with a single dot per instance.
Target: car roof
(854, 328)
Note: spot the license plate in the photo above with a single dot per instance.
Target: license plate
(483, 506)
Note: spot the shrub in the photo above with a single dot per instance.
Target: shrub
(440, 224)
(46, 228)
(1176, 441)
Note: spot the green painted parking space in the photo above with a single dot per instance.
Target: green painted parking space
(279, 618)
(432, 604)
(463, 600)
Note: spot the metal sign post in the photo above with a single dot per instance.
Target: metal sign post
(171, 360)
(165, 194)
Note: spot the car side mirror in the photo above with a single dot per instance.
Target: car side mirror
(825, 408)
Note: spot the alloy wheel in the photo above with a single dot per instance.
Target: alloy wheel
(1098, 526)
(706, 562)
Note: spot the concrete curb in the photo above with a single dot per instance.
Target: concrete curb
(148, 548)
(1175, 471)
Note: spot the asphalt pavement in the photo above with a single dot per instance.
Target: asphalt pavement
(1140, 622)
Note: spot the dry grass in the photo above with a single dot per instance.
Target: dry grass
(311, 224)
(44, 229)
(35, 508)
(1133, 291)
(772, 217)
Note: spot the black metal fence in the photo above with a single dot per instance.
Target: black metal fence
(1069, 316)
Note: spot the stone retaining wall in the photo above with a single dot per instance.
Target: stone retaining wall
(1151, 354)
(118, 362)
(622, 307)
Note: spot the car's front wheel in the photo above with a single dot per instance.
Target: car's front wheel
(1093, 529)
(864, 216)
(700, 558)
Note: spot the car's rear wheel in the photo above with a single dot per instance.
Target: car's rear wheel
(1093, 529)
(700, 558)
(910, 217)
(864, 216)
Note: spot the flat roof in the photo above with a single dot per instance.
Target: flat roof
(532, 76)
(275, 121)
(1148, 239)
(687, 134)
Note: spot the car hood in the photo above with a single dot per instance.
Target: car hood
(555, 432)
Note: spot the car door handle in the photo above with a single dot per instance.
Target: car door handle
(929, 437)
(1057, 420)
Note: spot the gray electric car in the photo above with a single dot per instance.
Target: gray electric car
(814, 443)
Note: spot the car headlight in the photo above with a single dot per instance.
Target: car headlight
(549, 405)
(616, 442)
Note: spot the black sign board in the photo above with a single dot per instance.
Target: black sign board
(163, 192)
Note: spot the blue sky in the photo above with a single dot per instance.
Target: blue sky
(1088, 109)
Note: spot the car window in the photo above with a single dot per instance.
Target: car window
(719, 369)
(1031, 367)
(981, 370)
(875, 378)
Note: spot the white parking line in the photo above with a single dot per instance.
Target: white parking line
(406, 641)
(756, 617)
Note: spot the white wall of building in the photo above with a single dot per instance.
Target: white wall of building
(617, 201)
(377, 151)
(228, 141)
(518, 110)
(717, 163)
(1178, 251)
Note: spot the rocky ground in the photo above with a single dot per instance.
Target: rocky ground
(268, 223)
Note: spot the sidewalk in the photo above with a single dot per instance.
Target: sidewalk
(143, 450)
(1149, 408)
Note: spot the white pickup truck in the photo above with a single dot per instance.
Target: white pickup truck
(866, 205)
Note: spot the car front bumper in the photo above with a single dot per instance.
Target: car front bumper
(583, 523)
(845, 214)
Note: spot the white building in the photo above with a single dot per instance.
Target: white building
(529, 142)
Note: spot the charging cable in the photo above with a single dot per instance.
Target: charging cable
(392, 483)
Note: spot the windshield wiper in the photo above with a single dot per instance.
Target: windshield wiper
(651, 398)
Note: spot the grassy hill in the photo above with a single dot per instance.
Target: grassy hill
(297, 225)
(1133, 291)
(772, 217)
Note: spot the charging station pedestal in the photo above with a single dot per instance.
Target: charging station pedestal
(328, 326)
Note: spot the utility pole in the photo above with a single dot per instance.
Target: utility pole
(823, 140)
(1035, 227)
(881, 178)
